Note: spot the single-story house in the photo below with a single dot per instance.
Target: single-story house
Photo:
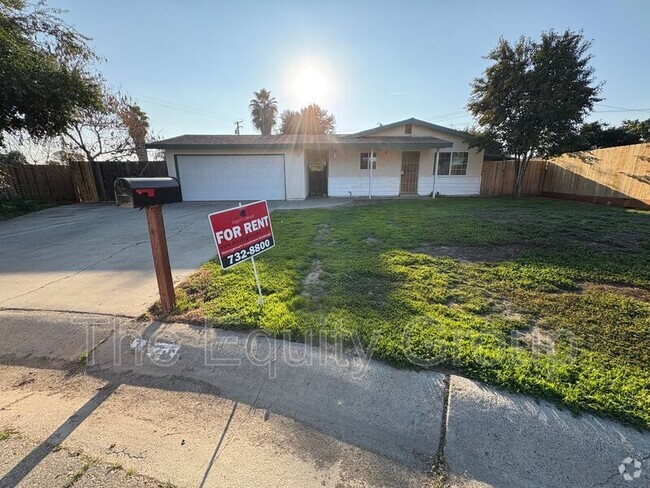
(410, 157)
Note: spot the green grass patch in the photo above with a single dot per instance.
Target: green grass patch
(6, 434)
(549, 298)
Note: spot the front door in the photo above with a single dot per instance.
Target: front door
(317, 171)
(410, 170)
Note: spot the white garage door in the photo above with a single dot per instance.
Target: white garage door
(245, 177)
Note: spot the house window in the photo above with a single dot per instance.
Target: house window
(444, 162)
(452, 163)
(364, 160)
(459, 163)
(408, 129)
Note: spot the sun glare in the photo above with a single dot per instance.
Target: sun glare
(310, 84)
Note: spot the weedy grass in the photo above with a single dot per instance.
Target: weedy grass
(14, 208)
(549, 298)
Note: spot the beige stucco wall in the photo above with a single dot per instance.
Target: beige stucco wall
(294, 166)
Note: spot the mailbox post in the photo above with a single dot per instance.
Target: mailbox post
(161, 264)
(151, 194)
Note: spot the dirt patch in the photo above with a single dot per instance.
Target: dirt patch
(628, 291)
(371, 241)
(507, 310)
(535, 339)
(323, 234)
(491, 254)
(312, 286)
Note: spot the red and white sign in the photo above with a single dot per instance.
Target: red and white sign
(242, 232)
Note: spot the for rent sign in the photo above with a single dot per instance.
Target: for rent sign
(242, 232)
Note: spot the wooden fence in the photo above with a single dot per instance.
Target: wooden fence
(613, 176)
(80, 181)
(498, 178)
(84, 179)
(107, 172)
(41, 182)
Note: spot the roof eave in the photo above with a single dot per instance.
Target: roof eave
(414, 121)
(307, 145)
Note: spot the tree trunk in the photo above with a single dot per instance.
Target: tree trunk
(520, 171)
(515, 181)
(141, 151)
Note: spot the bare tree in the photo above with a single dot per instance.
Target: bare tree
(99, 135)
(136, 122)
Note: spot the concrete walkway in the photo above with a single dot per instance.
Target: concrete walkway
(204, 407)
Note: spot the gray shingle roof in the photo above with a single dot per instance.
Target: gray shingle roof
(287, 141)
(413, 121)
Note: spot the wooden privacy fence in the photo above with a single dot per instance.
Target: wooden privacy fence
(498, 178)
(108, 171)
(80, 181)
(41, 182)
(613, 176)
(94, 181)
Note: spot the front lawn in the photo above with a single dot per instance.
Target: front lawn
(550, 298)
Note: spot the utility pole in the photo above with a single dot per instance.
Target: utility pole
(238, 125)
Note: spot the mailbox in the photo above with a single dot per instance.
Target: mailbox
(145, 192)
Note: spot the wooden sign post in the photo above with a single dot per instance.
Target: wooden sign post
(161, 264)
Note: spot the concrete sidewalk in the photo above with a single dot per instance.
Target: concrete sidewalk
(188, 404)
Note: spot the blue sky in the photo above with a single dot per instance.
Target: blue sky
(193, 65)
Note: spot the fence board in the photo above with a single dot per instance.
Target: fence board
(83, 181)
(41, 182)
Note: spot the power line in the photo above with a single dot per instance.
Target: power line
(457, 113)
(183, 108)
(620, 109)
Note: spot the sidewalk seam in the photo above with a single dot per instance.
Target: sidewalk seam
(75, 312)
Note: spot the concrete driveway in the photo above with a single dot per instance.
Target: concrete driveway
(97, 258)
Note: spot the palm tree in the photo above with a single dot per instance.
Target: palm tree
(264, 111)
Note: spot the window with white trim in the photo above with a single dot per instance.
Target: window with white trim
(452, 163)
(363, 160)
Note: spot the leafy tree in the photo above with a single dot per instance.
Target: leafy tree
(44, 78)
(264, 111)
(290, 122)
(640, 128)
(12, 158)
(534, 96)
(312, 119)
(595, 135)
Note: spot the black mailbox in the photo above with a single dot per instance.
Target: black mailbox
(144, 192)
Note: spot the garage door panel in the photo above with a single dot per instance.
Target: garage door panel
(240, 177)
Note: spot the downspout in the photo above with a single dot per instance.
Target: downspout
(435, 172)
(370, 175)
